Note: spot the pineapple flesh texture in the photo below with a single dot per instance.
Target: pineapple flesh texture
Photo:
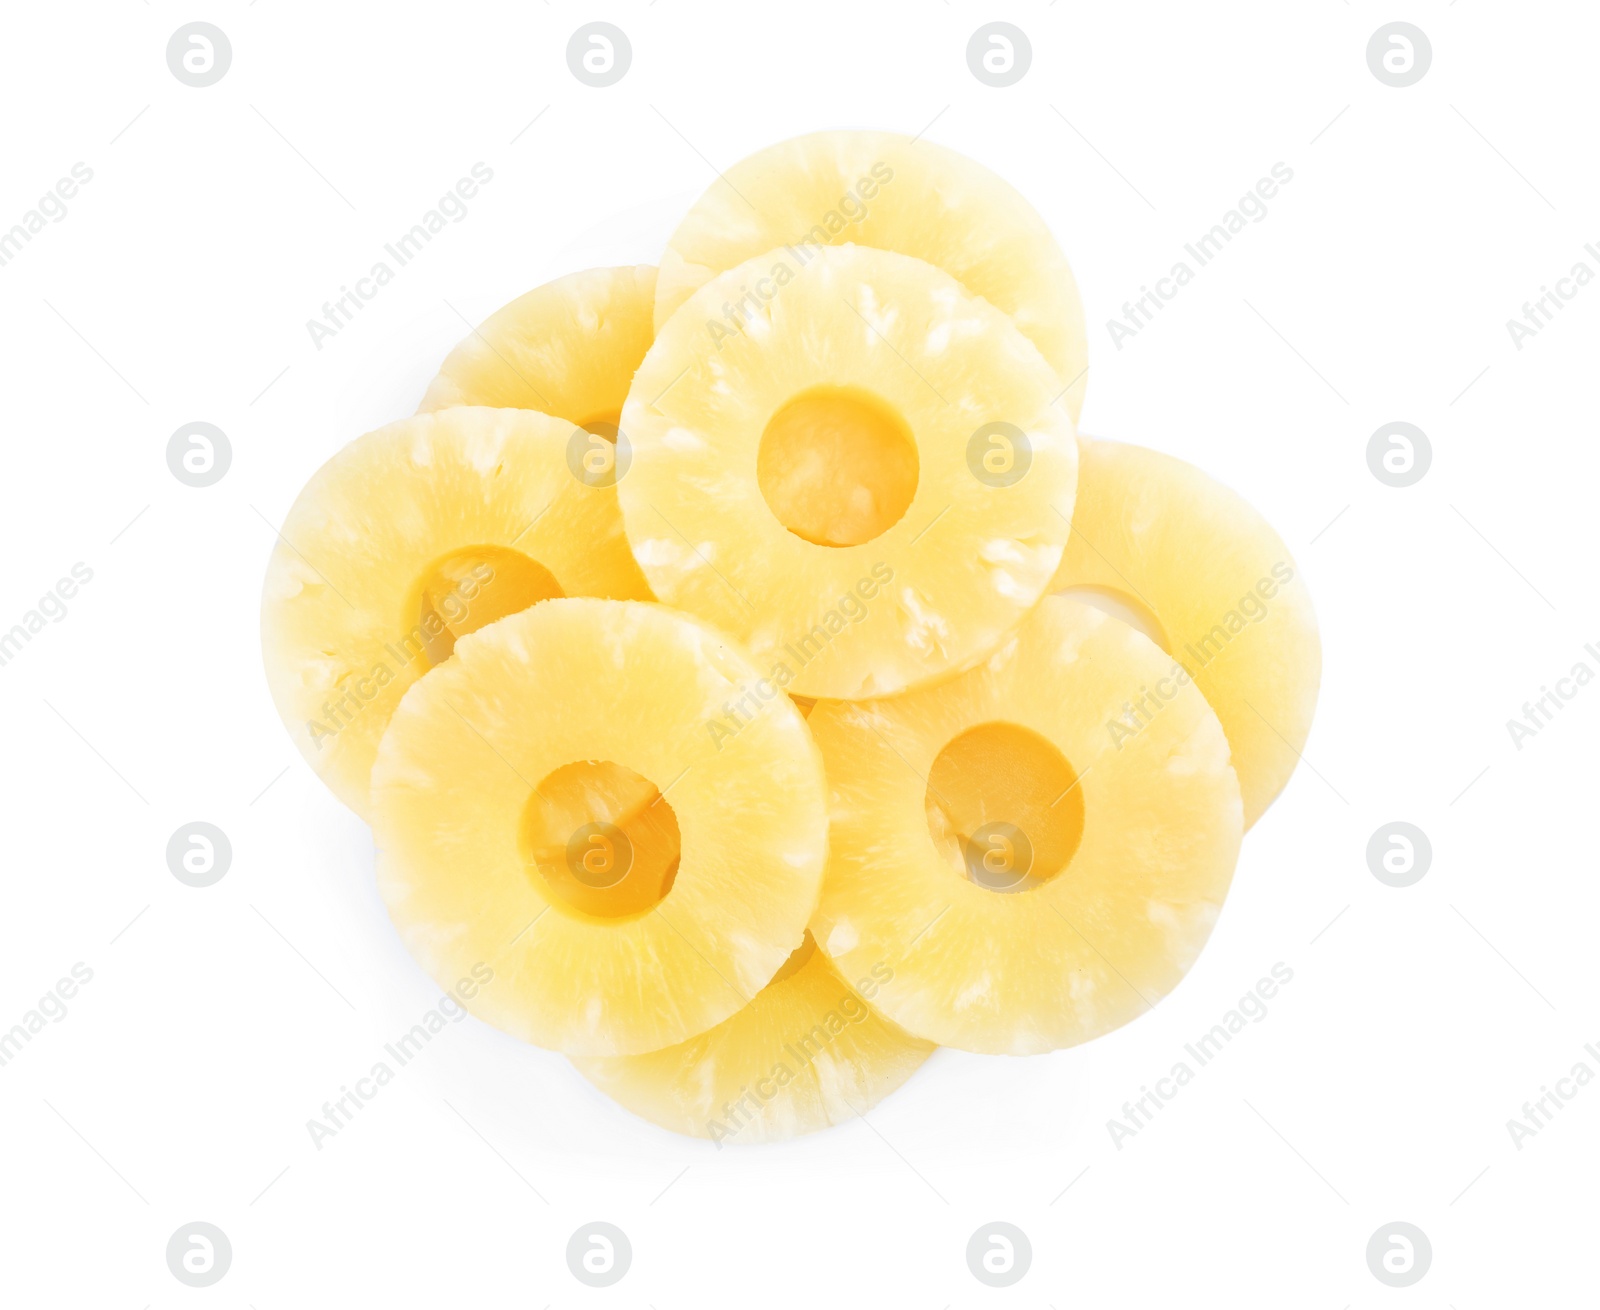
(1231, 606)
(473, 778)
(412, 536)
(1015, 920)
(892, 192)
(568, 348)
(899, 577)
(807, 1052)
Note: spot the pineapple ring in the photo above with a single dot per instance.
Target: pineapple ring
(635, 685)
(407, 538)
(568, 348)
(1224, 593)
(1070, 953)
(984, 527)
(895, 193)
(806, 1053)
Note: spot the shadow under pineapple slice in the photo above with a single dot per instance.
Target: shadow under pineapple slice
(410, 537)
(1033, 878)
(807, 1052)
(551, 802)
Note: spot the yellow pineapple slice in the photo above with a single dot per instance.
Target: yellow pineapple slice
(892, 192)
(946, 472)
(568, 348)
(569, 744)
(1221, 592)
(806, 1053)
(408, 538)
(1029, 879)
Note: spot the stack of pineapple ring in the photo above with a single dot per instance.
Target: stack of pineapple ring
(748, 663)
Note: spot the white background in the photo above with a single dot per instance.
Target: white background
(1377, 289)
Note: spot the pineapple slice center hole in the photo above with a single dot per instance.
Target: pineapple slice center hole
(1004, 807)
(1127, 608)
(600, 841)
(471, 588)
(837, 466)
